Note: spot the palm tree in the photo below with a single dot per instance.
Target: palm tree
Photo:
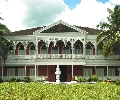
(4, 43)
(109, 38)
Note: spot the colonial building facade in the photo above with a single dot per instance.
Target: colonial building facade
(38, 51)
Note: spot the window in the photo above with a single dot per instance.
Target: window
(111, 72)
(55, 50)
(88, 50)
(21, 50)
(11, 72)
(100, 72)
(77, 49)
(66, 50)
(32, 50)
(43, 49)
(21, 72)
(32, 72)
(87, 72)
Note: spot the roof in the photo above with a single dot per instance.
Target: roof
(59, 26)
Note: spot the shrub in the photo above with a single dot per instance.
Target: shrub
(1, 80)
(93, 78)
(27, 79)
(12, 79)
(117, 82)
(18, 80)
(108, 79)
(81, 79)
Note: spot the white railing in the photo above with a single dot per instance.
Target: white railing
(61, 56)
(21, 57)
(21, 77)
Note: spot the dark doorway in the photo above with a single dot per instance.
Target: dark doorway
(63, 75)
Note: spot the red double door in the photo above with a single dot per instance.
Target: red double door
(65, 76)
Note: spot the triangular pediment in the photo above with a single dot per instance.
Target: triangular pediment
(60, 26)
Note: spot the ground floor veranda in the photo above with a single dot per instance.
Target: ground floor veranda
(40, 72)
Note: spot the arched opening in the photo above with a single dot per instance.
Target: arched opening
(89, 49)
(32, 49)
(66, 49)
(21, 50)
(77, 49)
(55, 50)
(43, 49)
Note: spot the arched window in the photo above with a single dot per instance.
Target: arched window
(55, 50)
(21, 50)
(32, 50)
(43, 49)
(89, 50)
(77, 49)
(66, 50)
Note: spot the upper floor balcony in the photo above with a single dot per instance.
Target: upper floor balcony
(58, 51)
(61, 56)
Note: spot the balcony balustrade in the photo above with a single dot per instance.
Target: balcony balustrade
(61, 56)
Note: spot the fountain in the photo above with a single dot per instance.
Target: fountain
(58, 72)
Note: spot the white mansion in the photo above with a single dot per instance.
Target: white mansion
(38, 51)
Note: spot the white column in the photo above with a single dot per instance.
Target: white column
(25, 70)
(107, 71)
(95, 53)
(84, 49)
(72, 71)
(72, 48)
(35, 69)
(2, 71)
(36, 44)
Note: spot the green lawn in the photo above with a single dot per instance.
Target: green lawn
(37, 91)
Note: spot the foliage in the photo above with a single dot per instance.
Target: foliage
(1, 80)
(36, 91)
(27, 79)
(19, 80)
(12, 79)
(117, 82)
(109, 38)
(93, 78)
(4, 42)
(81, 79)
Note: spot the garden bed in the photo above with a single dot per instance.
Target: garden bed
(37, 91)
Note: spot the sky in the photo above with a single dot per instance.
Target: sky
(25, 14)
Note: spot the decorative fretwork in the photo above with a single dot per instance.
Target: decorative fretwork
(59, 28)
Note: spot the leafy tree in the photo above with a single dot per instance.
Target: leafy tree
(109, 38)
(4, 42)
